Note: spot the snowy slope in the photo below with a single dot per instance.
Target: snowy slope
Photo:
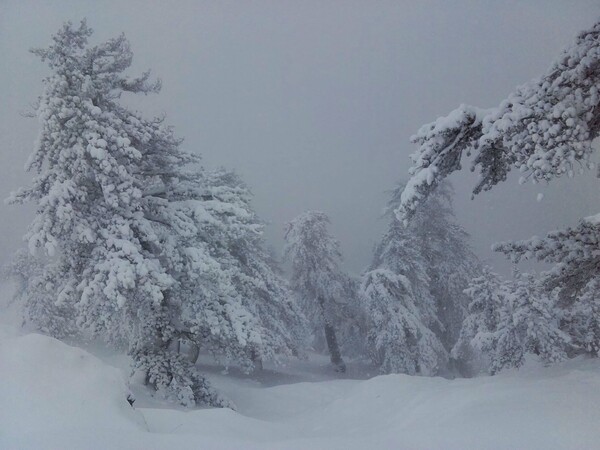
(55, 396)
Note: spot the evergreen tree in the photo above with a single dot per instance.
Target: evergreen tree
(528, 324)
(317, 278)
(237, 234)
(488, 295)
(448, 258)
(544, 128)
(400, 251)
(116, 202)
(575, 254)
(398, 340)
(34, 281)
(352, 331)
(431, 263)
(508, 320)
(432, 257)
(582, 321)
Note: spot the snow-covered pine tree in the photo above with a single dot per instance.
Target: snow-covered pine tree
(400, 252)
(509, 319)
(575, 273)
(582, 320)
(112, 191)
(544, 128)
(404, 328)
(448, 258)
(352, 331)
(528, 324)
(488, 295)
(398, 340)
(317, 278)
(212, 313)
(237, 234)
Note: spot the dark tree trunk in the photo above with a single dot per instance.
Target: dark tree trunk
(194, 353)
(334, 349)
(256, 360)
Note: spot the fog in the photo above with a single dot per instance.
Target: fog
(313, 103)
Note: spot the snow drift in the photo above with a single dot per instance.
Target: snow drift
(55, 396)
(51, 388)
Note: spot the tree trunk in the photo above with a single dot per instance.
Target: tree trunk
(194, 353)
(256, 360)
(334, 349)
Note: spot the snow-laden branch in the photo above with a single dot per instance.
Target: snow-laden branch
(542, 129)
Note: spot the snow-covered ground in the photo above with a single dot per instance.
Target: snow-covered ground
(55, 396)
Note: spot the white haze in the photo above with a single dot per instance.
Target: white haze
(313, 103)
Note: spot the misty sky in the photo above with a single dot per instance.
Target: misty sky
(313, 103)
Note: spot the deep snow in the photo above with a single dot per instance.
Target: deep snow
(55, 396)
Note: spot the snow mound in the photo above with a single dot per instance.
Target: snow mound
(50, 387)
(533, 408)
(554, 408)
(54, 396)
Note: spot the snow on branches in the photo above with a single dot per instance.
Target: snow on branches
(543, 129)
(317, 280)
(508, 320)
(413, 292)
(140, 245)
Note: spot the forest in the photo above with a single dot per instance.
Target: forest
(149, 306)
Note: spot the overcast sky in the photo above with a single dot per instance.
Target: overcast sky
(314, 102)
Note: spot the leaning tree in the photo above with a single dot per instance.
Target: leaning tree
(545, 129)
(317, 278)
(118, 218)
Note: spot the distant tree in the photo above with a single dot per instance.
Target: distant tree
(544, 129)
(398, 339)
(352, 331)
(488, 295)
(417, 276)
(510, 319)
(448, 258)
(316, 276)
(528, 324)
